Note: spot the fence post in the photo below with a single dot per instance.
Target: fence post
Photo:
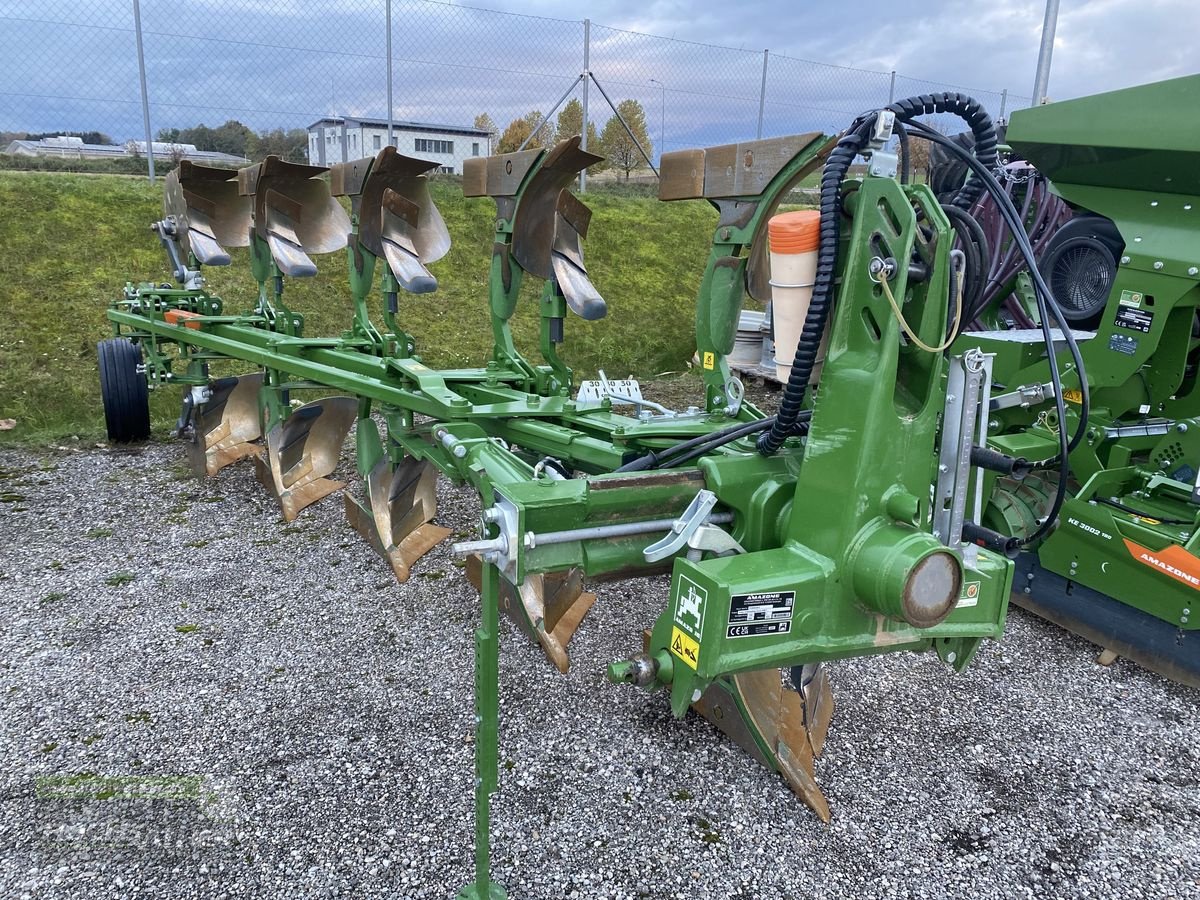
(137, 27)
(1003, 102)
(587, 78)
(389, 70)
(762, 95)
(892, 88)
(1041, 78)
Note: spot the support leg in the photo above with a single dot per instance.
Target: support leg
(487, 716)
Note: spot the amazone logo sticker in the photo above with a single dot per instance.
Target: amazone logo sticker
(1173, 561)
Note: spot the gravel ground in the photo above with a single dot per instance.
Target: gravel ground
(155, 625)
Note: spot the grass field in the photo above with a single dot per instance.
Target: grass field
(69, 243)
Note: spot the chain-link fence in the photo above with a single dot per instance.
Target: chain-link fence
(73, 66)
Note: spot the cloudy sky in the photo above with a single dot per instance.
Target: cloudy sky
(696, 67)
(1100, 44)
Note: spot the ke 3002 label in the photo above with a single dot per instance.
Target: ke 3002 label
(754, 615)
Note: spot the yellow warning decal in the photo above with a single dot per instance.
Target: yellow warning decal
(685, 647)
(1073, 396)
(710, 360)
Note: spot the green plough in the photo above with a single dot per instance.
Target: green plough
(849, 524)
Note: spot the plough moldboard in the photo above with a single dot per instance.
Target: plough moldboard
(831, 530)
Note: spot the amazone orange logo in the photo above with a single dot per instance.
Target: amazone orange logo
(1172, 560)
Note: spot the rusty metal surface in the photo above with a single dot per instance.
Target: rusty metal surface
(497, 176)
(224, 428)
(294, 212)
(681, 175)
(537, 218)
(547, 608)
(474, 177)
(662, 478)
(209, 213)
(303, 450)
(396, 519)
(404, 176)
(783, 729)
(570, 228)
(745, 168)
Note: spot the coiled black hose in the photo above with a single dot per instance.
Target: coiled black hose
(853, 142)
(970, 111)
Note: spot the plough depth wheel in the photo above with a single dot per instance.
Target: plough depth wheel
(123, 391)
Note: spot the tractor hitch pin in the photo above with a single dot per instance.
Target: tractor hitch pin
(641, 670)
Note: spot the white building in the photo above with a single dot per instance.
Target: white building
(68, 147)
(334, 140)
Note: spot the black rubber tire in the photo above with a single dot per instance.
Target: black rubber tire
(123, 390)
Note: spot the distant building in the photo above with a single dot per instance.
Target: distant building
(68, 147)
(335, 139)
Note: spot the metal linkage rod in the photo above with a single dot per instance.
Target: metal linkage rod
(621, 119)
(553, 110)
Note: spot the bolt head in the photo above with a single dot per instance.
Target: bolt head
(1192, 270)
(1158, 264)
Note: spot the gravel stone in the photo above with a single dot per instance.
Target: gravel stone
(156, 625)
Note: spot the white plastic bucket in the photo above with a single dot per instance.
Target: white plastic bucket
(793, 271)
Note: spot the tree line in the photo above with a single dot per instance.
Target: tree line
(612, 142)
(240, 140)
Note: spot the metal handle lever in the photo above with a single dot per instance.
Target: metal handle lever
(682, 528)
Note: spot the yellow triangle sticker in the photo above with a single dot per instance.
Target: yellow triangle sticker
(685, 647)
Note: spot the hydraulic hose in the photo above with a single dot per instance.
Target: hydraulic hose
(853, 142)
(792, 402)
(1047, 309)
(975, 247)
(970, 111)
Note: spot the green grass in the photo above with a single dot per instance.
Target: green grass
(70, 242)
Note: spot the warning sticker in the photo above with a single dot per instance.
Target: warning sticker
(1073, 395)
(969, 596)
(687, 649)
(710, 360)
(1134, 319)
(689, 609)
(754, 615)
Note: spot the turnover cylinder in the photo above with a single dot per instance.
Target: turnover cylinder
(905, 574)
(794, 238)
